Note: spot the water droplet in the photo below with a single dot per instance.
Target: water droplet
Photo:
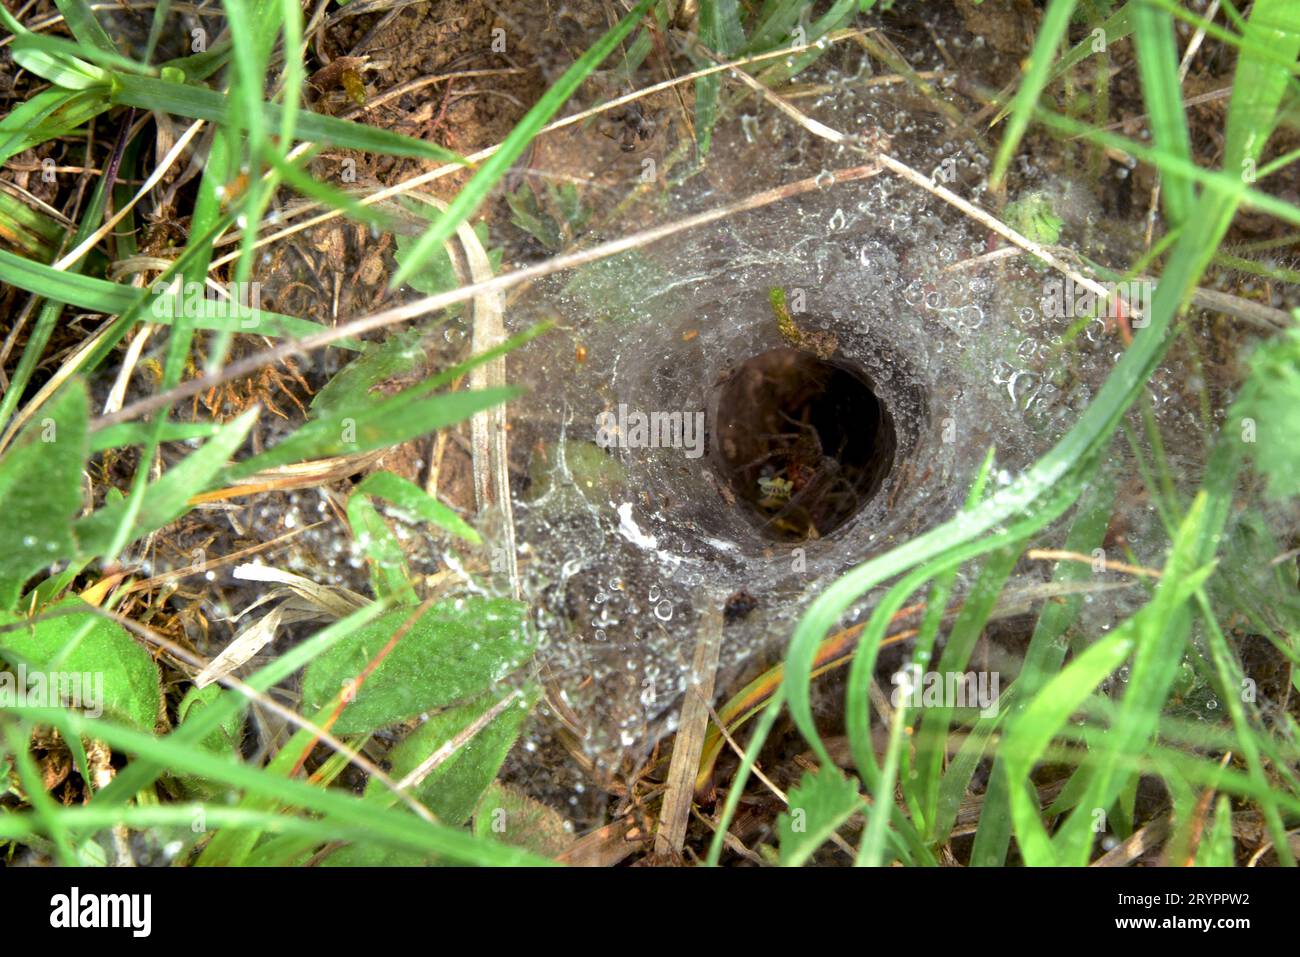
(664, 610)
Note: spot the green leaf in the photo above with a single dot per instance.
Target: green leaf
(1267, 413)
(456, 650)
(351, 817)
(511, 816)
(1157, 61)
(377, 425)
(1033, 729)
(81, 21)
(389, 575)
(452, 790)
(721, 32)
(168, 498)
(1043, 658)
(1216, 851)
(417, 502)
(220, 741)
(148, 93)
(60, 69)
(141, 773)
(40, 490)
(111, 298)
(44, 116)
(380, 361)
(118, 676)
(818, 806)
(225, 738)
(438, 275)
(553, 230)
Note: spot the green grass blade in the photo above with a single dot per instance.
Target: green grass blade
(198, 103)
(1043, 659)
(1157, 60)
(1055, 22)
(81, 21)
(390, 827)
(469, 197)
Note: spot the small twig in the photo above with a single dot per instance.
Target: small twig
(1143, 840)
(1057, 555)
(689, 742)
(154, 178)
(463, 737)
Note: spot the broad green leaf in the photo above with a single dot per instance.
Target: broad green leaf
(118, 676)
(416, 502)
(221, 741)
(818, 806)
(225, 738)
(40, 490)
(456, 650)
(511, 816)
(380, 361)
(141, 773)
(452, 790)
(1267, 413)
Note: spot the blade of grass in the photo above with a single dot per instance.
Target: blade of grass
(1157, 60)
(1043, 659)
(141, 773)
(391, 827)
(81, 21)
(198, 103)
(1050, 33)
(476, 190)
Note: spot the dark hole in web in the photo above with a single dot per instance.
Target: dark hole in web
(803, 442)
